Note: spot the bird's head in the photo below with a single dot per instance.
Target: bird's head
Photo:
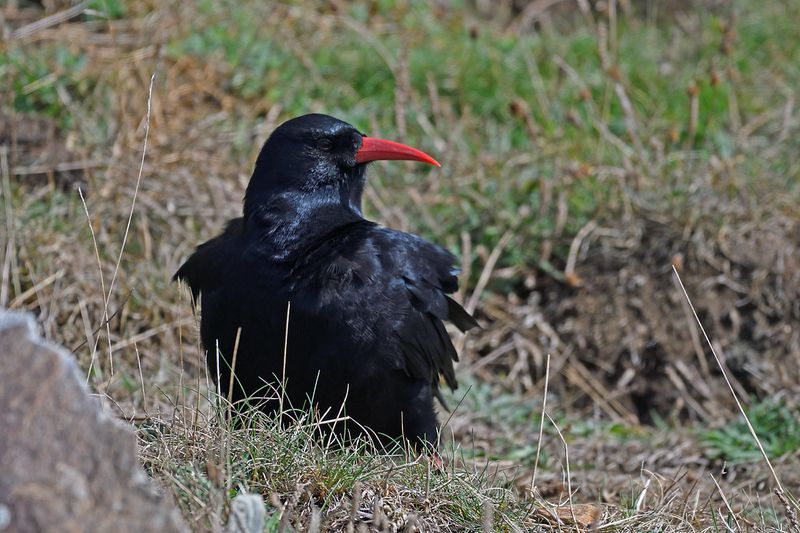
(321, 158)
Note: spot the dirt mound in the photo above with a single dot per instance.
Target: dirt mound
(626, 338)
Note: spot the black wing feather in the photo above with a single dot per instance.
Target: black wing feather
(459, 316)
(428, 275)
(205, 269)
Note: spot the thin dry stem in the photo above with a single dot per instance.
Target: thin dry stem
(541, 422)
(566, 463)
(102, 284)
(730, 385)
(133, 207)
(725, 501)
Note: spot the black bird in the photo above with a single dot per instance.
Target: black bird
(366, 304)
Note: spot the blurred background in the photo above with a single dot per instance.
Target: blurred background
(587, 148)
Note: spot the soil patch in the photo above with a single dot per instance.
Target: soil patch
(625, 338)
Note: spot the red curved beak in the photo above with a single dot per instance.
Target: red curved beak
(373, 149)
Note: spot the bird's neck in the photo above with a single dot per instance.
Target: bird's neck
(286, 225)
(308, 185)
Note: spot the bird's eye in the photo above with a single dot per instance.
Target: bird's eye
(325, 144)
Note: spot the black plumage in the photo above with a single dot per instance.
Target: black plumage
(367, 302)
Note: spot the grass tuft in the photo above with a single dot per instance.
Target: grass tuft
(777, 425)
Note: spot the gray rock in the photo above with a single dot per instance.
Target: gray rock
(64, 464)
(247, 514)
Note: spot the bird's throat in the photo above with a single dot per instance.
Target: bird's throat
(287, 225)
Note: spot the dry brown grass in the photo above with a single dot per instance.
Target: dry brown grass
(598, 300)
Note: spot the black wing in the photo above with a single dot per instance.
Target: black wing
(428, 275)
(205, 269)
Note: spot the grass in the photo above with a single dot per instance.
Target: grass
(603, 147)
(219, 460)
(776, 423)
(479, 79)
(36, 75)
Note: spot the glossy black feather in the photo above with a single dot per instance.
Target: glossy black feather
(367, 302)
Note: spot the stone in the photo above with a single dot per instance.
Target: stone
(247, 514)
(65, 465)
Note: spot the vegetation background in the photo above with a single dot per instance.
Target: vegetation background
(588, 147)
